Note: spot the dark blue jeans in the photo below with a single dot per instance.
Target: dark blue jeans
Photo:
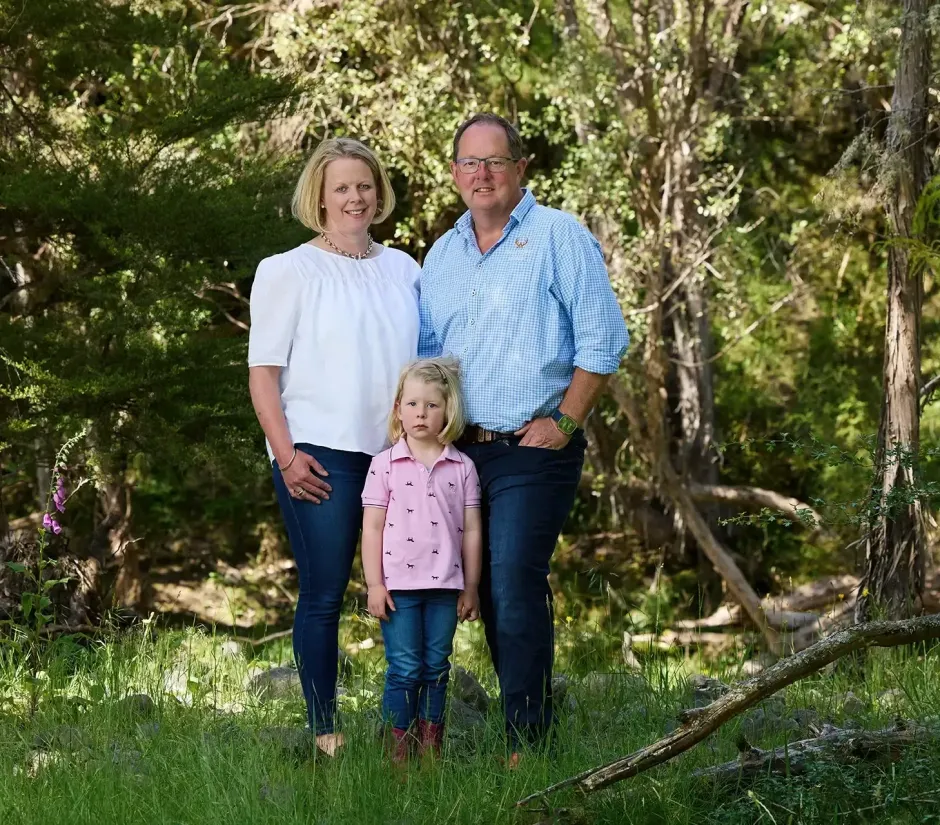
(527, 495)
(323, 539)
(419, 638)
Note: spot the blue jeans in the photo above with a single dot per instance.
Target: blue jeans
(419, 638)
(527, 495)
(323, 539)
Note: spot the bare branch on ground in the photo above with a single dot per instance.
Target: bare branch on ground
(699, 723)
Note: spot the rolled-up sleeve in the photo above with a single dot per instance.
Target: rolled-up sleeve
(600, 332)
(275, 305)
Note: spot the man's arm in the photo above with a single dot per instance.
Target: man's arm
(582, 394)
(600, 335)
(580, 397)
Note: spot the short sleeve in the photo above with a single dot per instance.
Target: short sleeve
(275, 307)
(375, 493)
(471, 483)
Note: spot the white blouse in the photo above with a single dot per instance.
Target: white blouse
(341, 330)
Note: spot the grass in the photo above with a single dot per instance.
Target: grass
(214, 753)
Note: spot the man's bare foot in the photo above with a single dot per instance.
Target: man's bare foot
(330, 743)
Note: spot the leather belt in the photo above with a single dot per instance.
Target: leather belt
(473, 434)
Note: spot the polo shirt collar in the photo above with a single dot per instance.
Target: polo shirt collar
(464, 223)
(400, 449)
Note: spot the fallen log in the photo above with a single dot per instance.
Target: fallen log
(669, 639)
(844, 745)
(699, 723)
(792, 610)
(731, 617)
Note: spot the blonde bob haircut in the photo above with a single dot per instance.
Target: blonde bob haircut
(445, 375)
(307, 203)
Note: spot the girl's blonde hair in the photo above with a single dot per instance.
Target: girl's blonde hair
(444, 373)
(307, 203)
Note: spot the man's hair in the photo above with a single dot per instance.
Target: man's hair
(516, 149)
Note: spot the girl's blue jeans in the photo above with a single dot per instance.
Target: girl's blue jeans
(323, 539)
(419, 638)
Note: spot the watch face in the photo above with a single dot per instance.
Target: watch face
(567, 425)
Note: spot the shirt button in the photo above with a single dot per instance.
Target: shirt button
(472, 322)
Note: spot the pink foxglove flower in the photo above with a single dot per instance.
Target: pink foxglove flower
(51, 524)
(60, 495)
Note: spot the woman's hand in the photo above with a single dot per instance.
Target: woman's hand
(379, 598)
(303, 481)
(468, 605)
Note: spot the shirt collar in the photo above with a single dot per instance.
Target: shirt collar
(464, 223)
(400, 449)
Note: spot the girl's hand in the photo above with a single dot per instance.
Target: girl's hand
(468, 605)
(303, 479)
(379, 598)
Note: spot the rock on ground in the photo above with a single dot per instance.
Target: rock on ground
(467, 688)
(276, 683)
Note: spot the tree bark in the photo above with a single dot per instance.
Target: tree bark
(893, 579)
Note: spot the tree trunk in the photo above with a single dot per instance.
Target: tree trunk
(893, 580)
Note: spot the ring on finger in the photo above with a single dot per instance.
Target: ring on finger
(299, 492)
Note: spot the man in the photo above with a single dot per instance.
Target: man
(520, 295)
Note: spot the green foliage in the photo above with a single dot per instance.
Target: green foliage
(148, 150)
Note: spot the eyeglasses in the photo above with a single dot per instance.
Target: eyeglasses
(495, 164)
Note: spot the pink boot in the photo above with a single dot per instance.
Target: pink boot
(430, 738)
(398, 745)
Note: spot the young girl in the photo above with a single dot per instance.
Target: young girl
(421, 549)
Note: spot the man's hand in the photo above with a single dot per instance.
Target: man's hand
(542, 432)
(379, 598)
(468, 605)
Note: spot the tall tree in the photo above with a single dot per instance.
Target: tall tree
(893, 580)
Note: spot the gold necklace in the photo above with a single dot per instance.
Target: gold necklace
(356, 256)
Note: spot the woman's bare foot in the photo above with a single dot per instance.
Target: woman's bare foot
(330, 743)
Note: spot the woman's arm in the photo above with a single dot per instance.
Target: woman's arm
(264, 386)
(373, 527)
(468, 605)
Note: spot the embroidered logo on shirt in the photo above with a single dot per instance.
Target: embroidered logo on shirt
(521, 242)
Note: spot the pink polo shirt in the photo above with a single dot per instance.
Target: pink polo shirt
(423, 537)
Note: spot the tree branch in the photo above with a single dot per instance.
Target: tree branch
(699, 723)
(844, 745)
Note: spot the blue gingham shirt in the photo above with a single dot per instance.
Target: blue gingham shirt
(521, 317)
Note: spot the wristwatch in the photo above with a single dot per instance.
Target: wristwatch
(565, 423)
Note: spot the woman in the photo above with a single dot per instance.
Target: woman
(332, 323)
